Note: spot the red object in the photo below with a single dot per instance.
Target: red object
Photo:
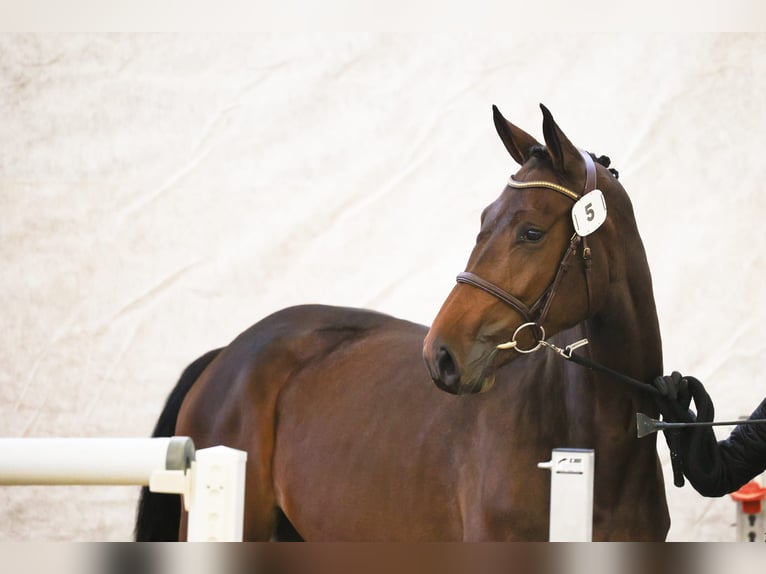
(750, 495)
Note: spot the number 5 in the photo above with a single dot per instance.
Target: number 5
(589, 211)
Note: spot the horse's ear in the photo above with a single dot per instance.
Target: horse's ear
(564, 154)
(517, 141)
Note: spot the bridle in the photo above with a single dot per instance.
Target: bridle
(536, 314)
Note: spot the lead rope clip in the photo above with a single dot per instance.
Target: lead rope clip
(567, 351)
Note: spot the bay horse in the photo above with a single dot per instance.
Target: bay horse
(351, 438)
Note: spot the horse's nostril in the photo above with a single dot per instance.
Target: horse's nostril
(445, 362)
(447, 369)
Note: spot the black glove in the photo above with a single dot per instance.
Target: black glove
(673, 402)
(703, 464)
(674, 398)
(693, 451)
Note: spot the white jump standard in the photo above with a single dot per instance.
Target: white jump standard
(571, 514)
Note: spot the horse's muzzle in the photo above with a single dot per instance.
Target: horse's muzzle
(447, 376)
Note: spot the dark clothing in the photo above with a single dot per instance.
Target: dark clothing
(733, 461)
(713, 467)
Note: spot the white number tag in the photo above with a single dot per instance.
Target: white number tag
(589, 213)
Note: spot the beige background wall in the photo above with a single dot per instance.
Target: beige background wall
(158, 194)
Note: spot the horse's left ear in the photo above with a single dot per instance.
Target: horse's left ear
(564, 154)
(518, 142)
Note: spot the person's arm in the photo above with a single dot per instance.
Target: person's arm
(713, 468)
(743, 453)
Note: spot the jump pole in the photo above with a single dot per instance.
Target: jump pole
(211, 481)
(92, 461)
(571, 514)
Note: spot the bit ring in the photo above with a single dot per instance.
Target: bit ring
(513, 344)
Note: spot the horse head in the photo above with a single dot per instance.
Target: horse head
(531, 273)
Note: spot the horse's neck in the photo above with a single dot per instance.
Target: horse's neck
(625, 337)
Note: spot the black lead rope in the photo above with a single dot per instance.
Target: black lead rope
(635, 383)
(672, 436)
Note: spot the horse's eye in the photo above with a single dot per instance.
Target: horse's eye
(532, 235)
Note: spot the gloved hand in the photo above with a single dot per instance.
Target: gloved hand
(675, 397)
(696, 447)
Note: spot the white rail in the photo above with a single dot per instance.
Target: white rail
(108, 461)
(211, 481)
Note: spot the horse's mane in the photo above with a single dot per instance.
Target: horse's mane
(540, 152)
(605, 161)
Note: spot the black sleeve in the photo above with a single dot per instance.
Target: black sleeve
(744, 451)
(717, 468)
